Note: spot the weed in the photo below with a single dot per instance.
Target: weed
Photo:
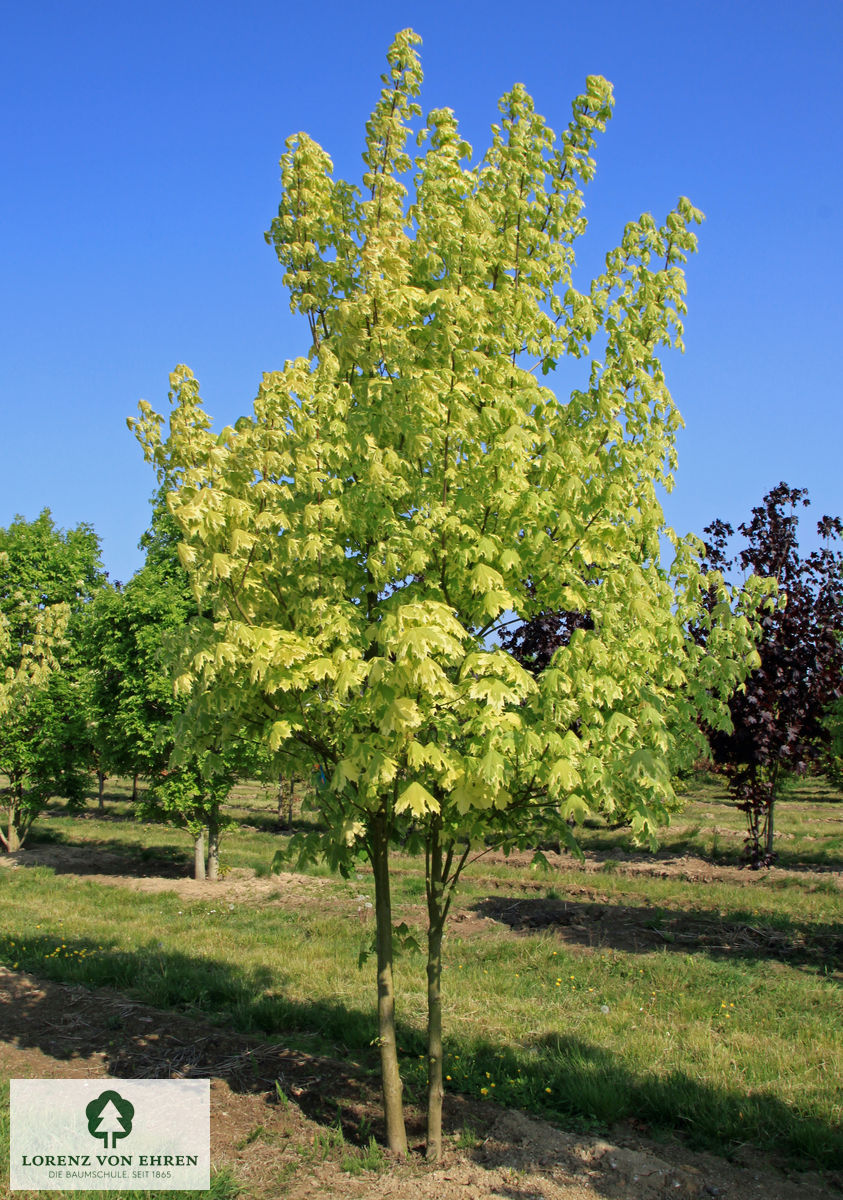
(259, 1133)
(224, 1186)
(368, 1158)
(466, 1139)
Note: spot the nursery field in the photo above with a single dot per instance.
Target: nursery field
(634, 1025)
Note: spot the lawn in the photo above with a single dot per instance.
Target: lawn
(675, 992)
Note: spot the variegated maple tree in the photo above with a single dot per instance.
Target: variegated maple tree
(411, 486)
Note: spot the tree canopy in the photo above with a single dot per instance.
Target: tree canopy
(412, 486)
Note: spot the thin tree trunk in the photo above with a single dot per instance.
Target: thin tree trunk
(435, 925)
(199, 855)
(213, 852)
(292, 798)
(768, 841)
(134, 788)
(101, 790)
(396, 1134)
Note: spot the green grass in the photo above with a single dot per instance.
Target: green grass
(719, 1018)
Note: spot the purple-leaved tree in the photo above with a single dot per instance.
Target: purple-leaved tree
(778, 717)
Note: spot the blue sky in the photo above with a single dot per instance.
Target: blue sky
(140, 162)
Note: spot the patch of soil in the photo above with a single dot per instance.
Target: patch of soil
(276, 1144)
(98, 866)
(660, 865)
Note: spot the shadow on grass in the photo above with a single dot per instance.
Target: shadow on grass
(571, 1081)
(641, 930)
(153, 1013)
(178, 1015)
(106, 856)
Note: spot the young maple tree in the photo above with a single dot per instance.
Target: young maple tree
(779, 719)
(411, 485)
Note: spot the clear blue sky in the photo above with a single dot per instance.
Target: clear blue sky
(140, 151)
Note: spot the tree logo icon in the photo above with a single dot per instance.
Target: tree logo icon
(110, 1114)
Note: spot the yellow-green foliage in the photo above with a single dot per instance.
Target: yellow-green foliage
(410, 486)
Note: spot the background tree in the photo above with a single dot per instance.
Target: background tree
(47, 576)
(399, 494)
(192, 797)
(779, 717)
(130, 637)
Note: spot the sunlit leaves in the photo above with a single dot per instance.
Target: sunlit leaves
(412, 485)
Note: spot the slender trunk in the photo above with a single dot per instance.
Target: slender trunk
(435, 925)
(213, 851)
(134, 788)
(292, 798)
(396, 1135)
(768, 840)
(199, 855)
(774, 779)
(281, 803)
(101, 790)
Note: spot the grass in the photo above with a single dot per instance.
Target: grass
(709, 1007)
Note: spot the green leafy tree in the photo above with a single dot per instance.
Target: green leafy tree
(131, 636)
(411, 486)
(47, 576)
(192, 797)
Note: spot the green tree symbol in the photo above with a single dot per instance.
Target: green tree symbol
(110, 1114)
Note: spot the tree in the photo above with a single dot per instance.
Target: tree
(409, 487)
(47, 576)
(779, 719)
(130, 637)
(192, 797)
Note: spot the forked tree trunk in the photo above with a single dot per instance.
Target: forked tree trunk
(435, 925)
(213, 852)
(396, 1134)
(199, 855)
